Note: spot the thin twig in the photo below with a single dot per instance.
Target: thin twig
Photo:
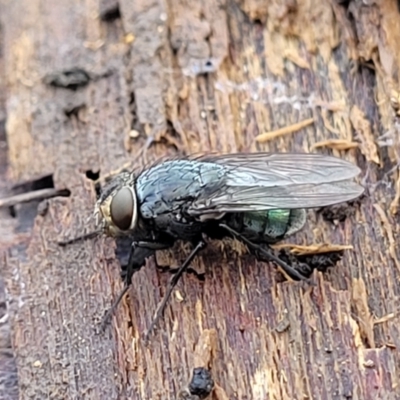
(35, 195)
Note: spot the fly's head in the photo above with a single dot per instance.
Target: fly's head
(117, 209)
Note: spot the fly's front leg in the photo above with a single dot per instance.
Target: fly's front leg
(139, 251)
(288, 269)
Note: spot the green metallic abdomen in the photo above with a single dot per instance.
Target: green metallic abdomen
(272, 223)
(268, 226)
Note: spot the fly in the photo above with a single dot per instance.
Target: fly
(258, 198)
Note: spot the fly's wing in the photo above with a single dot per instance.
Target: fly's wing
(281, 169)
(264, 181)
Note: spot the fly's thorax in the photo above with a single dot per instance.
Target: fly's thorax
(269, 226)
(117, 208)
(173, 186)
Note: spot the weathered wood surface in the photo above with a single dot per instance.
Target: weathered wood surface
(268, 65)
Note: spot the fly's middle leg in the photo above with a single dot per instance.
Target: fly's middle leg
(171, 285)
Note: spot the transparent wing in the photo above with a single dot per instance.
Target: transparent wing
(264, 181)
(277, 169)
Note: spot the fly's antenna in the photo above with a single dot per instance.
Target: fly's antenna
(89, 235)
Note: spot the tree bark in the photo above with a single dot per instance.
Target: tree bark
(88, 87)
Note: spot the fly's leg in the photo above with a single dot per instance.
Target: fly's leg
(289, 270)
(171, 285)
(111, 310)
(138, 253)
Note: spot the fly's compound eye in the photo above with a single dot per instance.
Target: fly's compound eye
(122, 209)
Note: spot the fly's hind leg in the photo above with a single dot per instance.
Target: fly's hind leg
(288, 269)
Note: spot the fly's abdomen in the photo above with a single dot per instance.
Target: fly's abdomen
(268, 226)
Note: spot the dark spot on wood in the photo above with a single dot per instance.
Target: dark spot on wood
(13, 213)
(71, 79)
(339, 212)
(202, 383)
(109, 10)
(93, 175)
(74, 111)
(132, 98)
(308, 263)
(344, 3)
(111, 14)
(321, 262)
(44, 182)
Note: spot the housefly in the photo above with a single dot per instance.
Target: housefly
(258, 198)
